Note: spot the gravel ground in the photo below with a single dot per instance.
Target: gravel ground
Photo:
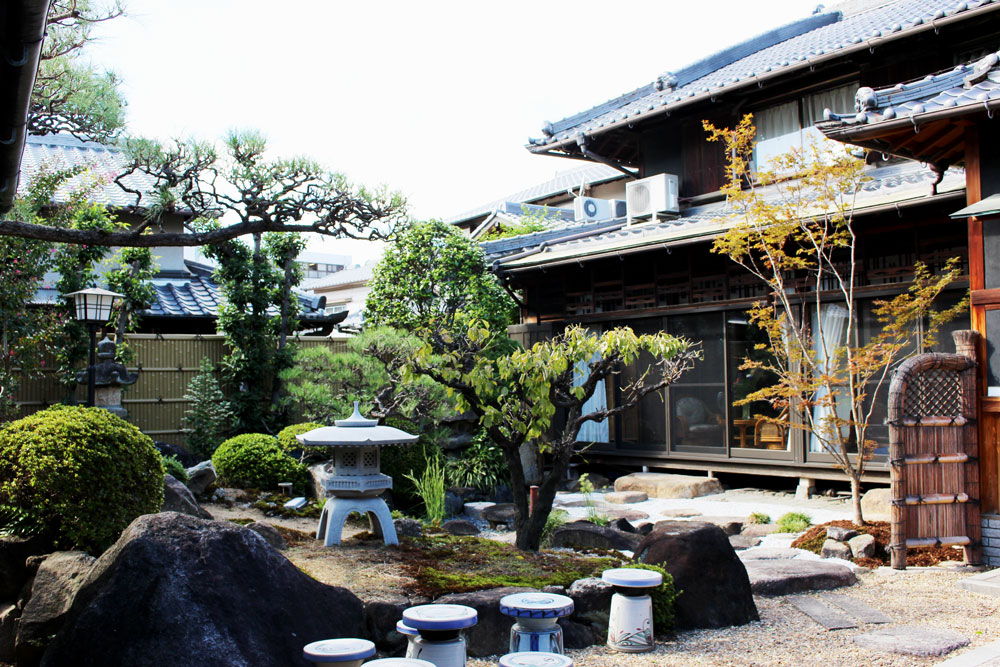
(785, 636)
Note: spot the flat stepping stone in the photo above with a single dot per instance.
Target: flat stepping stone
(984, 656)
(912, 640)
(821, 613)
(741, 542)
(783, 577)
(856, 608)
(628, 515)
(626, 497)
(985, 583)
(664, 485)
(680, 513)
(771, 553)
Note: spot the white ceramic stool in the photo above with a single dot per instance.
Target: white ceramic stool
(399, 662)
(342, 652)
(630, 627)
(440, 626)
(535, 659)
(537, 614)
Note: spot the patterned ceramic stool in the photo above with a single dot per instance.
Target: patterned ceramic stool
(440, 626)
(535, 659)
(537, 614)
(399, 662)
(341, 652)
(630, 627)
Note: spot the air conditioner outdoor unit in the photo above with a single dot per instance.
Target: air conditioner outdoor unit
(647, 197)
(590, 209)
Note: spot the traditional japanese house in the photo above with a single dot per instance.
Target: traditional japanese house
(652, 269)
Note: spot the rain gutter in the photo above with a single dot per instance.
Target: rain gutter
(21, 35)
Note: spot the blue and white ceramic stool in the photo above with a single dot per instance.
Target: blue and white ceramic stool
(537, 614)
(340, 652)
(440, 627)
(399, 662)
(535, 659)
(408, 632)
(630, 627)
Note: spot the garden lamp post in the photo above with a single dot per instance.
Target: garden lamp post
(93, 306)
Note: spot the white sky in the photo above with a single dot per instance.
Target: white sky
(434, 99)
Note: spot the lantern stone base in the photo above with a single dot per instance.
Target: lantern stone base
(335, 511)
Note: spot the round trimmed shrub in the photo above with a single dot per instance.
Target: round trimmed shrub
(82, 474)
(256, 461)
(286, 438)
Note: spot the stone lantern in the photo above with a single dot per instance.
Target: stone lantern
(108, 377)
(357, 481)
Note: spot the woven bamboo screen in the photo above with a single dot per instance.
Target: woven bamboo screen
(166, 364)
(933, 452)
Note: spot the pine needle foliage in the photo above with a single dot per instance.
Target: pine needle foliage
(210, 419)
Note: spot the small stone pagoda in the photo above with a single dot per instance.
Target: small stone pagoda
(109, 378)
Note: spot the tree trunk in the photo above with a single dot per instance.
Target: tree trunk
(859, 520)
(529, 528)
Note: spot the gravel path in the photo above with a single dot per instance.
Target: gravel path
(784, 636)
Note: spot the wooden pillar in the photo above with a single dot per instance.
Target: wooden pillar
(988, 408)
(967, 345)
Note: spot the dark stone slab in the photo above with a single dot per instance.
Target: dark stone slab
(460, 527)
(501, 514)
(177, 590)
(381, 614)
(821, 613)
(783, 576)
(855, 608)
(704, 565)
(586, 535)
(912, 640)
(741, 542)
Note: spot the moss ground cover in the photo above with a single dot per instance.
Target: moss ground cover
(446, 564)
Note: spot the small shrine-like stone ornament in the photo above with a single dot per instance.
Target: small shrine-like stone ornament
(109, 378)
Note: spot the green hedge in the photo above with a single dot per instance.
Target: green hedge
(82, 474)
(257, 461)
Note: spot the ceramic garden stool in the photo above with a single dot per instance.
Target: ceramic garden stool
(537, 614)
(399, 662)
(535, 659)
(341, 652)
(630, 627)
(440, 626)
(410, 633)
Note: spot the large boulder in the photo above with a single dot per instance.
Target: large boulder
(58, 578)
(501, 514)
(588, 625)
(716, 589)
(876, 504)
(178, 498)
(587, 535)
(178, 590)
(491, 633)
(381, 614)
(200, 477)
(663, 485)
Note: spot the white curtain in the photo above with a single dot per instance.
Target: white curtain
(777, 131)
(832, 320)
(592, 431)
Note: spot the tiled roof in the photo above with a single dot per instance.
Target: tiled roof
(890, 185)
(199, 296)
(104, 163)
(799, 44)
(973, 84)
(503, 247)
(590, 174)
